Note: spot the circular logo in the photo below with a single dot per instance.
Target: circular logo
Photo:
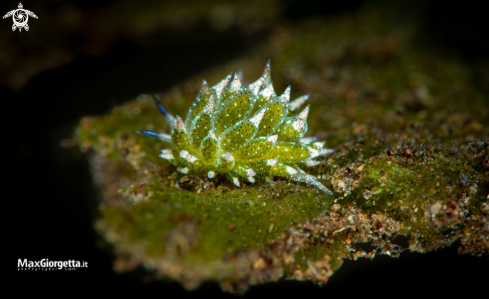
(20, 18)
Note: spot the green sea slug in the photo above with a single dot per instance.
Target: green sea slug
(244, 132)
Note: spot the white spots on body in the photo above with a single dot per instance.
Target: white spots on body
(183, 154)
(268, 91)
(178, 124)
(290, 170)
(182, 170)
(190, 158)
(271, 162)
(273, 138)
(167, 154)
(211, 135)
(211, 174)
(228, 157)
(298, 124)
(250, 172)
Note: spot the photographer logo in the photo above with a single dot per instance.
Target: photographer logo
(47, 265)
(20, 17)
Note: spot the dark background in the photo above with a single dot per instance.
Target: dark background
(51, 202)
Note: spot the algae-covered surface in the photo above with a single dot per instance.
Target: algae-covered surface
(410, 132)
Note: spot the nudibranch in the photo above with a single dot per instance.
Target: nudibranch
(244, 132)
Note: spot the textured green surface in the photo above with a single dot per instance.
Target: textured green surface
(410, 130)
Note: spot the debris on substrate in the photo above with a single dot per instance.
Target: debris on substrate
(411, 159)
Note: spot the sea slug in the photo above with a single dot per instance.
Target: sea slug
(243, 132)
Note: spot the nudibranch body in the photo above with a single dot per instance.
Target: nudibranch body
(244, 132)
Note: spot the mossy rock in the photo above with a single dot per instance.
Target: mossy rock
(410, 132)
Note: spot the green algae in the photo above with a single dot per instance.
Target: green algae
(411, 158)
(220, 215)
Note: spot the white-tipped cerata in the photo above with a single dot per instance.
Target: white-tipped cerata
(243, 133)
(313, 153)
(304, 113)
(268, 92)
(308, 139)
(285, 97)
(255, 86)
(311, 163)
(295, 104)
(219, 87)
(209, 107)
(258, 117)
